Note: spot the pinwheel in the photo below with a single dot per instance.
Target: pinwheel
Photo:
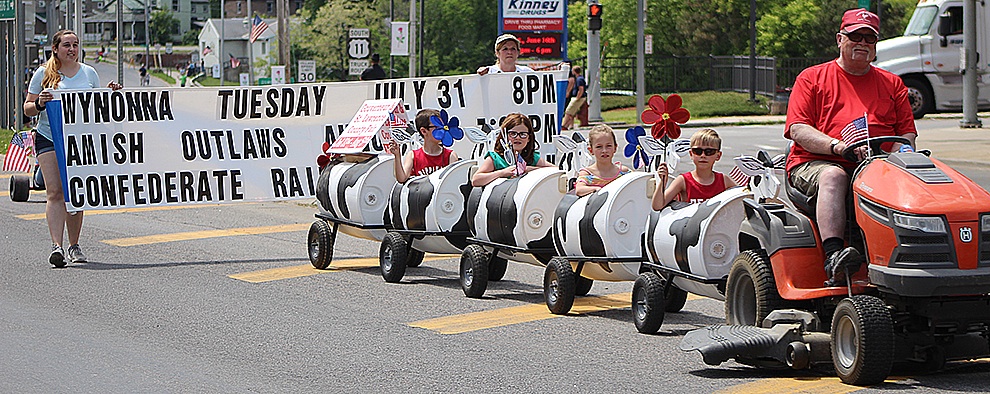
(447, 130)
(665, 116)
(635, 149)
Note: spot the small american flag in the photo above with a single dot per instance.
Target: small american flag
(234, 62)
(258, 26)
(19, 153)
(738, 176)
(520, 165)
(856, 131)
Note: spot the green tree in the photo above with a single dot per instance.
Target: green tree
(458, 36)
(323, 34)
(163, 26)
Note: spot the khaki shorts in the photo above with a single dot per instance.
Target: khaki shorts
(804, 176)
(575, 105)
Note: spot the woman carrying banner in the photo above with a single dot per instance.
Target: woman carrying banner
(507, 48)
(61, 71)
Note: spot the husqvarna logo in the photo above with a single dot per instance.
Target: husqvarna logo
(966, 234)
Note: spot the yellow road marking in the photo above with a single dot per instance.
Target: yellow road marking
(798, 385)
(458, 324)
(39, 216)
(299, 271)
(185, 236)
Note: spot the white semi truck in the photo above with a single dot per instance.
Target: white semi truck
(927, 56)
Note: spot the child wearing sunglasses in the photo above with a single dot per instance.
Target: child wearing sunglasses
(602, 146)
(703, 182)
(522, 140)
(423, 161)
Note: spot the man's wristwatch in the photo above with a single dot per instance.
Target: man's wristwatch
(37, 104)
(832, 145)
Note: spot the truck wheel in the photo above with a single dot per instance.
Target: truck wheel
(647, 302)
(674, 300)
(474, 271)
(321, 238)
(920, 96)
(862, 340)
(751, 292)
(414, 258)
(20, 188)
(582, 285)
(558, 286)
(496, 268)
(392, 257)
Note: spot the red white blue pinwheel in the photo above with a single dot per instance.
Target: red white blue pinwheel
(447, 130)
(634, 149)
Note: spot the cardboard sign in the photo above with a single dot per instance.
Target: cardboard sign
(375, 117)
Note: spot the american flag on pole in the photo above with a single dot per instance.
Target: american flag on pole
(234, 62)
(738, 176)
(856, 131)
(520, 165)
(19, 153)
(258, 26)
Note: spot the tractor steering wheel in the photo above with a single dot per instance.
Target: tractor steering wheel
(850, 152)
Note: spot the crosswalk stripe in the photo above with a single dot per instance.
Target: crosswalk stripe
(39, 216)
(475, 321)
(191, 235)
(299, 271)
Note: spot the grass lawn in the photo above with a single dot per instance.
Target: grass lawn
(208, 81)
(162, 76)
(700, 104)
(5, 136)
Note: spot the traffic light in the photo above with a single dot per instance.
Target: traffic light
(594, 17)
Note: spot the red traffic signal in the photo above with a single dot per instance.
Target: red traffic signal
(595, 16)
(595, 10)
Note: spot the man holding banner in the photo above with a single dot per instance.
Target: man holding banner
(61, 71)
(831, 104)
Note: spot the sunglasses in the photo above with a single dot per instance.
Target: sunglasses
(705, 151)
(519, 134)
(859, 37)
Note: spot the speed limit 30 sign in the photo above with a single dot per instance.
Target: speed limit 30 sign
(307, 71)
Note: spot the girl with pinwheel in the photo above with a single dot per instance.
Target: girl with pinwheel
(520, 157)
(602, 146)
(701, 183)
(438, 133)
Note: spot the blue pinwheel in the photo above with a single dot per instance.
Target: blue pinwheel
(447, 130)
(634, 149)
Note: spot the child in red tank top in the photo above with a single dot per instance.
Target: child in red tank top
(703, 182)
(423, 161)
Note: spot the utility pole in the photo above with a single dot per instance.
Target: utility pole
(283, 32)
(147, 35)
(20, 63)
(250, 18)
(640, 57)
(413, 29)
(223, 37)
(752, 51)
(594, 71)
(120, 42)
(968, 66)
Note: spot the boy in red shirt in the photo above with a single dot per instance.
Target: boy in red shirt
(703, 182)
(423, 161)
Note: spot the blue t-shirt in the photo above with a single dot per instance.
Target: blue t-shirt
(85, 78)
(579, 82)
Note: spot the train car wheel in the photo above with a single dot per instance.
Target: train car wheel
(559, 286)
(648, 303)
(474, 271)
(392, 257)
(321, 238)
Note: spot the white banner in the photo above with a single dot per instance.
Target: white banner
(149, 147)
(400, 39)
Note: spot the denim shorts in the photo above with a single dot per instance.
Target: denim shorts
(42, 144)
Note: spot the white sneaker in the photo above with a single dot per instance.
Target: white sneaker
(57, 258)
(76, 255)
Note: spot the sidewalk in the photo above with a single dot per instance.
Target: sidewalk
(951, 144)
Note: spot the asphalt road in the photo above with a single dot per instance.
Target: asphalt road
(223, 299)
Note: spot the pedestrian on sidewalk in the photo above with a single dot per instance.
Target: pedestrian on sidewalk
(62, 71)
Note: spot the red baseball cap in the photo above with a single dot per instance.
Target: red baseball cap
(859, 18)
